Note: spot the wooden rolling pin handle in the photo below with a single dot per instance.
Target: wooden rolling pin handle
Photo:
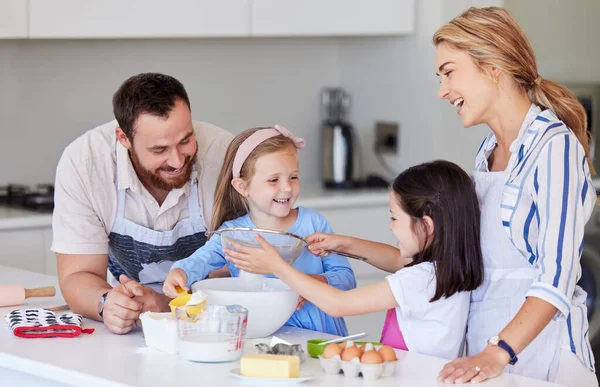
(59, 308)
(46, 291)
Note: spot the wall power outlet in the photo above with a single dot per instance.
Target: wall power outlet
(387, 137)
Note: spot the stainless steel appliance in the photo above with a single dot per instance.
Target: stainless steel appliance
(341, 166)
(589, 96)
(37, 198)
(590, 274)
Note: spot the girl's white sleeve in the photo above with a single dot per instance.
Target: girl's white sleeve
(413, 287)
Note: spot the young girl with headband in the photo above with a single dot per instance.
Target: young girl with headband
(257, 188)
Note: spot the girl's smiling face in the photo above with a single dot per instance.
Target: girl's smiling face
(274, 187)
(401, 226)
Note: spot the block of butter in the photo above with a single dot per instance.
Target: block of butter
(270, 366)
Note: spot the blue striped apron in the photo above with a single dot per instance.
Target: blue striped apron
(147, 255)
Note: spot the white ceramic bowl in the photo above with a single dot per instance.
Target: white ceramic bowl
(268, 309)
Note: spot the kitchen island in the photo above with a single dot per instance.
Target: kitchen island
(106, 359)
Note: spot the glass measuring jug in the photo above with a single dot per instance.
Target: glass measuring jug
(214, 335)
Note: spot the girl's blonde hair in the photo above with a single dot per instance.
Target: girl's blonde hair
(493, 38)
(230, 204)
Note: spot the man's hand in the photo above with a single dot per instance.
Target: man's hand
(126, 301)
(151, 301)
(120, 309)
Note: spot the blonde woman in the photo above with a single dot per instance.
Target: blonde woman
(533, 182)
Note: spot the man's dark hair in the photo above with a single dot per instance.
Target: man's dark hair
(146, 93)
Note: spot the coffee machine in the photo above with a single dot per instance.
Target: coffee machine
(340, 153)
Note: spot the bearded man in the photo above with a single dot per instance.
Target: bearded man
(131, 197)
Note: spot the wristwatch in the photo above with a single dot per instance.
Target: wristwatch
(101, 304)
(495, 341)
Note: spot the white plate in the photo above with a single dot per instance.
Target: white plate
(304, 376)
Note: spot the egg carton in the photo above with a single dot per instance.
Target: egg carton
(354, 368)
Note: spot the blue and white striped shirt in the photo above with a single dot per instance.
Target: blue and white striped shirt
(546, 203)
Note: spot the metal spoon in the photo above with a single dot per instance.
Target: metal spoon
(340, 339)
(348, 255)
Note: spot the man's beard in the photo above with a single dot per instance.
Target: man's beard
(153, 180)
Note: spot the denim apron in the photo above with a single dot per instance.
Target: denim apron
(508, 276)
(146, 255)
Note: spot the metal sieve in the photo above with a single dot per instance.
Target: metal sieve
(288, 245)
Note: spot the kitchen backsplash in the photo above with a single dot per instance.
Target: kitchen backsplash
(52, 91)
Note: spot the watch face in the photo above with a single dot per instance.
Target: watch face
(101, 304)
(494, 340)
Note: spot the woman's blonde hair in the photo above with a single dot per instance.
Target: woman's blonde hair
(493, 38)
(230, 204)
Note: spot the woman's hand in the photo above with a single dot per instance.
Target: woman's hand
(254, 260)
(321, 243)
(485, 365)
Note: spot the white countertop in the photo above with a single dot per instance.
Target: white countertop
(312, 195)
(106, 359)
(16, 218)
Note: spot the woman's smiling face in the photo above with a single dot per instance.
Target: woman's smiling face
(464, 85)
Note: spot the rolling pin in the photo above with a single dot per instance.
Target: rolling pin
(16, 294)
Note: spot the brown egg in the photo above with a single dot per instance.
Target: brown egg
(331, 350)
(348, 344)
(371, 357)
(351, 353)
(387, 353)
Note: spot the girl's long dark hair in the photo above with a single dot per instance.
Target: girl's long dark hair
(444, 192)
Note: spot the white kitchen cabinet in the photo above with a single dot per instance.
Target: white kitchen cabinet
(138, 18)
(332, 17)
(13, 19)
(23, 249)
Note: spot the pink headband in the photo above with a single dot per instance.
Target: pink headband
(255, 139)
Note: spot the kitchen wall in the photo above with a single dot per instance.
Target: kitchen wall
(393, 79)
(52, 91)
(564, 36)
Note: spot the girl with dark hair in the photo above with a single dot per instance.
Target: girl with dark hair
(436, 264)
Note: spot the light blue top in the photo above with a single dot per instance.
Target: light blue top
(336, 269)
